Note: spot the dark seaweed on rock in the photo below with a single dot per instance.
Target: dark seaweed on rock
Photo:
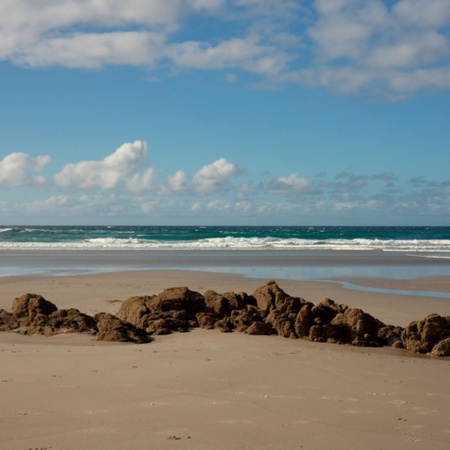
(268, 310)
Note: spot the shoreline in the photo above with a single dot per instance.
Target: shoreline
(262, 264)
(93, 293)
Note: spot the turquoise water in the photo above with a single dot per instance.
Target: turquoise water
(431, 240)
(296, 253)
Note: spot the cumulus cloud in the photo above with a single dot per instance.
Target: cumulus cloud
(177, 181)
(215, 177)
(15, 169)
(122, 165)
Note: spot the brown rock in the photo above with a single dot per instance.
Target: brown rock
(32, 308)
(271, 296)
(207, 320)
(304, 321)
(361, 328)
(224, 304)
(158, 327)
(318, 333)
(442, 348)
(136, 310)
(71, 321)
(422, 336)
(180, 298)
(243, 318)
(390, 335)
(326, 311)
(174, 309)
(282, 323)
(7, 321)
(259, 328)
(111, 328)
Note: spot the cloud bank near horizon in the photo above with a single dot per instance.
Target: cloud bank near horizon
(375, 47)
(123, 185)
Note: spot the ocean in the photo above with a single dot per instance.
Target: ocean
(278, 252)
(433, 241)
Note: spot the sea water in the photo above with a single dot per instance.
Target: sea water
(434, 241)
(279, 252)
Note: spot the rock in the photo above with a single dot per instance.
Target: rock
(176, 307)
(325, 311)
(224, 304)
(271, 296)
(71, 321)
(225, 325)
(111, 328)
(304, 321)
(318, 333)
(442, 348)
(207, 320)
(136, 310)
(32, 308)
(422, 336)
(158, 327)
(7, 321)
(282, 323)
(398, 345)
(243, 318)
(358, 327)
(390, 335)
(259, 328)
(180, 299)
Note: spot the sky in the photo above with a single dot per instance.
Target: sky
(225, 112)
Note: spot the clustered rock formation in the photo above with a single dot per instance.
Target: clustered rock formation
(269, 310)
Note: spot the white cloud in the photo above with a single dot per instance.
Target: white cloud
(215, 177)
(177, 181)
(140, 182)
(15, 168)
(292, 184)
(247, 54)
(92, 51)
(122, 165)
(364, 44)
(348, 46)
(425, 14)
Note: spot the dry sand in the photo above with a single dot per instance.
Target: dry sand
(208, 390)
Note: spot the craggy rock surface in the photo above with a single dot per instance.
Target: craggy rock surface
(431, 334)
(111, 328)
(268, 310)
(33, 314)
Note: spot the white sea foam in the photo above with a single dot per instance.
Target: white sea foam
(439, 247)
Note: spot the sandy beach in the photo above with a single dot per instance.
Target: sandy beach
(212, 390)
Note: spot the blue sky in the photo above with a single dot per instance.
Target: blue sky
(326, 112)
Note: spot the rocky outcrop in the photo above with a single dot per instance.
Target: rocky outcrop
(111, 328)
(7, 321)
(278, 309)
(427, 335)
(175, 309)
(442, 348)
(268, 310)
(32, 308)
(33, 314)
